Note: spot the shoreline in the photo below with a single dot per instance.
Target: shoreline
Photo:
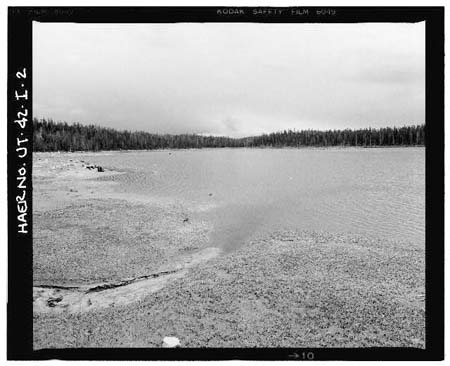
(236, 148)
(104, 224)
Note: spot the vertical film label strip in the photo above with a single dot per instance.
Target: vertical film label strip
(22, 118)
(20, 200)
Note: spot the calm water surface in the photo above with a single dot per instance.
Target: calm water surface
(375, 192)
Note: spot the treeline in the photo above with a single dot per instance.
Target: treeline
(61, 136)
(388, 136)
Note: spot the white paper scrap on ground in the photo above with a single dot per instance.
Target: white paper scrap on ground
(170, 342)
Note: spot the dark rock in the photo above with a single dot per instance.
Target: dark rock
(100, 169)
(53, 301)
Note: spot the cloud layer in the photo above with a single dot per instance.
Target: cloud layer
(230, 79)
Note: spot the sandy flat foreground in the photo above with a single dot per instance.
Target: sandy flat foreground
(112, 270)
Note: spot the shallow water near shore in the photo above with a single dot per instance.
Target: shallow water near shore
(375, 192)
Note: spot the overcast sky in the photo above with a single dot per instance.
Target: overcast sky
(230, 79)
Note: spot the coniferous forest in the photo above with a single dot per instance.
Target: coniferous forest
(61, 136)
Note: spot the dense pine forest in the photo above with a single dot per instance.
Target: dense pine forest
(60, 136)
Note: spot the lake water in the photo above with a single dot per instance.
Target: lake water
(376, 192)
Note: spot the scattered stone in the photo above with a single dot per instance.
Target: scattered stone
(186, 219)
(100, 169)
(171, 342)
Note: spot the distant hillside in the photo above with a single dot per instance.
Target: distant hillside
(61, 136)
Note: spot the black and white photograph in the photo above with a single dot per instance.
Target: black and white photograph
(228, 184)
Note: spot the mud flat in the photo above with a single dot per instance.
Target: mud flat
(112, 272)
